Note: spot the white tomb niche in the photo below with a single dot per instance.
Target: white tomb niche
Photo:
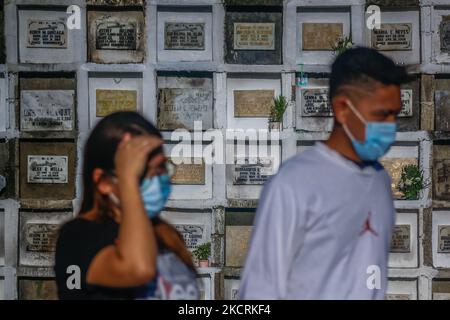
(313, 111)
(398, 36)
(403, 251)
(440, 46)
(4, 114)
(205, 287)
(193, 224)
(192, 175)
(38, 233)
(402, 289)
(249, 100)
(231, 288)
(400, 155)
(441, 238)
(43, 37)
(2, 237)
(116, 36)
(318, 31)
(47, 104)
(441, 289)
(112, 92)
(249, 166)
(184, 34)
(183, 99)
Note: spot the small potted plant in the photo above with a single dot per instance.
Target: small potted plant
(276, 113)
(411, 182)
(202, 253)
(341, 45)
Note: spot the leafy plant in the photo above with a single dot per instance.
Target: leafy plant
(412, 182)
(342, 45)
(203, 251)
(278, 108)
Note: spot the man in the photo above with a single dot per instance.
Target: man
(324, 222)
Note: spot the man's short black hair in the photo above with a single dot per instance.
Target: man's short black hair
(360, 65)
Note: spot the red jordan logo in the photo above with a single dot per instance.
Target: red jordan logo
(367, 227)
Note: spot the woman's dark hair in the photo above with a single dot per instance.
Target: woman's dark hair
(101, 147)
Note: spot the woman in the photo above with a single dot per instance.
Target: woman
(118, 247)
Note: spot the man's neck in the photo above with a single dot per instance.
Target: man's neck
(339, 142)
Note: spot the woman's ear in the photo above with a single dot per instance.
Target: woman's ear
(103, 185)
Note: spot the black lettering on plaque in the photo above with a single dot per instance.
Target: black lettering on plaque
(116, 36)
(184, 36)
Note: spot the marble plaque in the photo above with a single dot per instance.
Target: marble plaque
(189, 172)
(398, 296)
(37, 289)
(47, 169)
(442, 179)
(393, 37)
(321, 36)
(394, 167)
(234, 294)
(254, 36)
(180, 107)
(192, 234)
(41, 237)
(237, 240)
(315, 103)
(442, 102)
(47, 110)
(110, 101)
(47, 34)
(441, 289)
(252, 173)
(444, 239)
(407, 101)
(114, 34)
(401, 239)
(253, 103)
(444, 31)
(184, 36)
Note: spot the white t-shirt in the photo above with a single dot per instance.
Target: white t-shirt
(322, 231)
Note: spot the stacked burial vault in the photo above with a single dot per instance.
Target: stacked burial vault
(178, 62)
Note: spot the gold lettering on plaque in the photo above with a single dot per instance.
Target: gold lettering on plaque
(254, 36)
(109, 101)
(253, 103)
(320, 36)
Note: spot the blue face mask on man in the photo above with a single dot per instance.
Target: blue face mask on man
(379, 137)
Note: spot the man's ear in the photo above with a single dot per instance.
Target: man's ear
(340, 108)
(103, 185)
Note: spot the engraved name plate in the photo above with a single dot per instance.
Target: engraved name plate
(47, 169)
(43, 110)
(444, 31)
(184, 36)
(254, 36)
(407, 98)
(401, 239)
(192, 234)
(398, 296)
(47, 34)
(189, 172)
(393, 37)
(237, 239)
(252, 103)
(180, 107)
(315, 103)
(41, 237)
(116, 35)
(442, 179)
(320, 36)
(252, 173)
(109, 101)
(444, 239)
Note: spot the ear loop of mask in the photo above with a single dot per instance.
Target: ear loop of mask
(347, 131)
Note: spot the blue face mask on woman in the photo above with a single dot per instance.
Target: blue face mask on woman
(155, 192)
(379, 138)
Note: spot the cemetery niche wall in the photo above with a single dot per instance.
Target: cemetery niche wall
(222, 64)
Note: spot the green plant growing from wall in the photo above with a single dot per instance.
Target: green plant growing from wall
(342, 45)
(278, 108)
(412, 182)
(203, 251)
